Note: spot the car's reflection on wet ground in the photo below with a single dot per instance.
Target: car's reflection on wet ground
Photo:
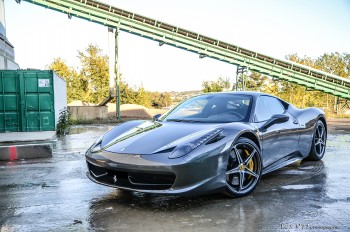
(55, 195)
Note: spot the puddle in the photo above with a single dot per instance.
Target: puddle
(298, 186)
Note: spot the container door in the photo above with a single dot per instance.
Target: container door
(39, 101)
(9, 102)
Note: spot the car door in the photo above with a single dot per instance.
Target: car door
(279, 139)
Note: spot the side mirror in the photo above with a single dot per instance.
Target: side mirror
(276, 118)
(156, 117)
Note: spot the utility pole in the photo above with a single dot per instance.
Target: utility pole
(117, 73)
(114, 75)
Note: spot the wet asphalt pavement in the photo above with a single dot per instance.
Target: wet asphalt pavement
(54, 194)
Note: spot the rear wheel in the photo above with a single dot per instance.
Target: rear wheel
(244, 167)
(318, 146)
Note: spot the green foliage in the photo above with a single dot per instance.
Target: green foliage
(129, 95)
(215, 86)
(95, 74)
(298, 95)
(140, 96)
(61, 69)
(77, 86)
(335, 63)
(161, 100)
(64, 122)
(91, 83)
(254, 82)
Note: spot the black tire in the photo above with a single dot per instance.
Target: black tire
(244, 168)
(318, 146)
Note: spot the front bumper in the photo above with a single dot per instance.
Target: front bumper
(158, 174)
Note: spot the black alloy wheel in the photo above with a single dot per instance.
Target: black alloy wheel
(318, 146)
(244, 168)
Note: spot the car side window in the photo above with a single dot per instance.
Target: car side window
(266, 107)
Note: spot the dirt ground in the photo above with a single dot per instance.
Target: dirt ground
(126, 110)
(134, 111)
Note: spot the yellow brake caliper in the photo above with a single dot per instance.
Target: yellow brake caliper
(250, 165)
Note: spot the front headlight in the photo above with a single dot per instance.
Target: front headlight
(184, 149)
(96, 147)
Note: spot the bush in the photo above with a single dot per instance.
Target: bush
(64, 122)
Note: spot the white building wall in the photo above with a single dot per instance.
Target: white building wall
(7, 53)
(2, 18)
(12, 65)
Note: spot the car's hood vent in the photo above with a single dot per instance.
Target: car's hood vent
(165, 150)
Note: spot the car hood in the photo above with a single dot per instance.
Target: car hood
(148, 137)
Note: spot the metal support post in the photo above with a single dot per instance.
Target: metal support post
(346, 105)
(337, 106)
(117, 73)
(114, 76)
(342, 103)
(111, 61)
(240, 78)
(112, 67)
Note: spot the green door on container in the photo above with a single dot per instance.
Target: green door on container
(39, 102)
(9, 103)
(29, 101)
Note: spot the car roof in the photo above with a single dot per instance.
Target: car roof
(254, 94)
(251, 93)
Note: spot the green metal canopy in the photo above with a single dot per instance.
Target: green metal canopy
(205, 46)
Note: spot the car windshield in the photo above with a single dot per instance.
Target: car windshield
(212, 108)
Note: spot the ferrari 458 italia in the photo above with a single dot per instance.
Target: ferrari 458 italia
(217, 142)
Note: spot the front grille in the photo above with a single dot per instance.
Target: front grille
(133, 180)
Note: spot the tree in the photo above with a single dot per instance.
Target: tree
(165, 100)
(60, 67)
(95, 72)
(307, 61)
(91, 82)
(142, 97)
(256, 82)
(136, 95)
(216, 86)
(76, 84)
(161, 100)
(334, 63)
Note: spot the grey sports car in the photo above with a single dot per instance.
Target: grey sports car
(217, 142)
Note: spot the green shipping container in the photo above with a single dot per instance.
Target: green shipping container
(30, 100)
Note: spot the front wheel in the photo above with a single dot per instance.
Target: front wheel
(318, 146)
(244, 167)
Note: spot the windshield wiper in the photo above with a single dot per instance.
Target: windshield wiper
(173, 120)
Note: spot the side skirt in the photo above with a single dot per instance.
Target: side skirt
(283, 162)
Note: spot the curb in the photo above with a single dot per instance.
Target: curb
(27, 151)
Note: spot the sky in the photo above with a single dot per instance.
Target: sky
(272, 27)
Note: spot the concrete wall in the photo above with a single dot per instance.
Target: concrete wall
(88, 112)
(25, 151)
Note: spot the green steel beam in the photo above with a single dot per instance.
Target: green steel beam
(165, 33)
